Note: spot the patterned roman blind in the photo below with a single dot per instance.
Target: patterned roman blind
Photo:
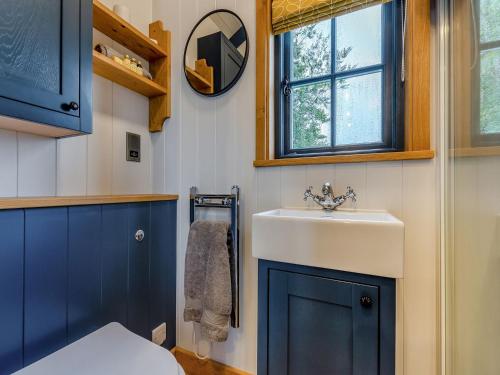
(291, 14)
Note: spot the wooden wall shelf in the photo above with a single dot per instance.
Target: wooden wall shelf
(158, 56)
(121, 31)
(197, 80)
(202, 77)
(107, 68)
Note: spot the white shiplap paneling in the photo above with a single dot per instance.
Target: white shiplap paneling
(211, 144)
(8, 163)
(95, 164)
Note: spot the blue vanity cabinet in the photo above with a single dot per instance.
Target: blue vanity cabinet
(316, 321)
(46, 65)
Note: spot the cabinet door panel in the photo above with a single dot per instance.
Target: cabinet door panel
(39, 52)
(45, 319)
(317, 325)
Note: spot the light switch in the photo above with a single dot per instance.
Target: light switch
(133, 147)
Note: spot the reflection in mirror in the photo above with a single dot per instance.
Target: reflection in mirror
(216, 53)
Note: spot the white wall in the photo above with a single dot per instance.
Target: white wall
(36, 166)
(473, 263)
(210, 143)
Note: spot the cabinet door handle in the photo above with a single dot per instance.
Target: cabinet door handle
(73, 106)
(366, 301)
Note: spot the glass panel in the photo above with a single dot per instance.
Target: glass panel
(311, 50)
(310, 115)
(473, 204)
(358, 110)
(489, 20)
(359, 39)
(490, 92)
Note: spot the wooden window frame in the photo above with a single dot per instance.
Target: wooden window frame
(417, 93)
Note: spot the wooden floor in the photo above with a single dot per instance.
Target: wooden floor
(195, 366)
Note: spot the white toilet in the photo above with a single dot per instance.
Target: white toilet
(108, 351)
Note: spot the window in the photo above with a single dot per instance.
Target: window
(486, 65)
(338, 86)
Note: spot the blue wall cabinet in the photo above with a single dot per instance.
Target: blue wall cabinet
(67, 271)
(314, 321)
(46, 65)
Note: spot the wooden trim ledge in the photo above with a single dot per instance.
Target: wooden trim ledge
(355, 158)
(38, 202)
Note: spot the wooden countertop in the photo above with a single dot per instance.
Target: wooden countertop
(37, 202)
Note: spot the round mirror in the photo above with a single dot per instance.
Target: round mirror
(216, 53)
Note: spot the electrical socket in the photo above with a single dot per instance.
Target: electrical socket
(159, 334)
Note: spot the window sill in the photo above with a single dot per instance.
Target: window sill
(338, 159)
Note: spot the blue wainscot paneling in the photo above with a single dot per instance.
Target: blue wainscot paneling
(65, 272)
(163, 274)
(84, 271)
(138, 297)
(11, 290)
(317, 321)
(114, 263)
(46, 282)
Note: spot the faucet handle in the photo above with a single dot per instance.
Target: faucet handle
(308, 193)
(351, 194)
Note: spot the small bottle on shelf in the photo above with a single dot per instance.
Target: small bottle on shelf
(126, 61)
(140, 69)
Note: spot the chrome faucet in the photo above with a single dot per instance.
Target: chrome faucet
(329, 201)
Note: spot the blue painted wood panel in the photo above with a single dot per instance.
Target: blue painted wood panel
(46, 62)
(11, 290)
(84, 271)
(138, 296)
(65, 272)
(46, 280)
(312, 321)
(163, 268)
(114, 263)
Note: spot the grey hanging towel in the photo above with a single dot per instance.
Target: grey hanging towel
(207, 279)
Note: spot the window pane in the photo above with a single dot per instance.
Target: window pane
(489, 20)
(490, 92)
(358, 112)
(310, 115)
(311, 50)
(359, 39)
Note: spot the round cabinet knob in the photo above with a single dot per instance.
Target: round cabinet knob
(139, 235)
(73, 106)
(366, 301)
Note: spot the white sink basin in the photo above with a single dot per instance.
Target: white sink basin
(367, 242)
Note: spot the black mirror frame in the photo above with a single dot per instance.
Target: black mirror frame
(245, 58)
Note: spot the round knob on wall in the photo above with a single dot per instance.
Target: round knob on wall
(139, 235)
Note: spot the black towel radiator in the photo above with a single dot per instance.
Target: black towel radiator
(232, 202)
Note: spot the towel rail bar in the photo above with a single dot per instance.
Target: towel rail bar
(232, 202)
